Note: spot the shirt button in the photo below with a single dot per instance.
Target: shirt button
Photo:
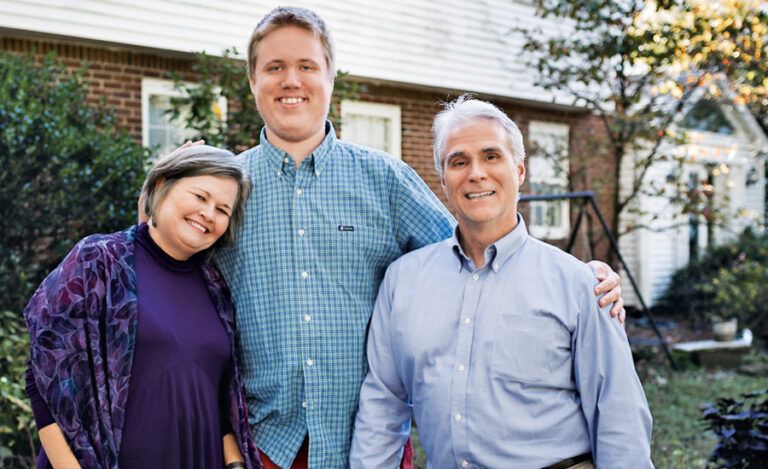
(304, 274)
(495, 266)
(304, 404)
(298, 191)
(457, 417)
(307, 317)
(286, 160)
(301, 232)
(317, 173)
(310, 362)
(465, 463)
(460, 368)
(467, 321)
(475, 277)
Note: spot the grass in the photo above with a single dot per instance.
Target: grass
(680, 438)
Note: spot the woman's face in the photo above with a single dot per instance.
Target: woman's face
(193, 215)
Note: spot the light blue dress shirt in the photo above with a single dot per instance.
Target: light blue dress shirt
(304, 273)
(513, 365)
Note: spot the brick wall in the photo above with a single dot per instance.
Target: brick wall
(115, 75)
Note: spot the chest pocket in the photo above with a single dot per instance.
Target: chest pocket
(524, 348)
(356, 247)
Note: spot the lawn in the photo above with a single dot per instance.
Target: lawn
(680, 439)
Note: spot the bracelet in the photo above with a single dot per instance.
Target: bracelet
(235, 465)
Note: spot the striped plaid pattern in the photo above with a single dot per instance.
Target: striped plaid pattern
(304, 275)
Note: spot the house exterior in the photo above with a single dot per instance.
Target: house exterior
(721, 166)
(410, 54)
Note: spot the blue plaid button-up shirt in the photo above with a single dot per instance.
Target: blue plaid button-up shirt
(304, 274)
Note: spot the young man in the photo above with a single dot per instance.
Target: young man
(492, 339)
(323, 222)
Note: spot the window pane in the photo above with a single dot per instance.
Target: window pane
(548, 165)
(371, 131)
(165, 135)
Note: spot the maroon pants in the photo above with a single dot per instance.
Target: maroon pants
(302, 457)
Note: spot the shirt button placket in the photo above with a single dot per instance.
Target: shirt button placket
(460, 382)
(302, 256)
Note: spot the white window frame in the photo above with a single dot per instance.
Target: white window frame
(560, 131)
(156, 86)
(387, 111)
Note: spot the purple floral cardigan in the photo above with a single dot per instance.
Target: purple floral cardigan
(82, 324)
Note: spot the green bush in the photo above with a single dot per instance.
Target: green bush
(65, 171)
(17, 428)
(741, 427)
(728, 281)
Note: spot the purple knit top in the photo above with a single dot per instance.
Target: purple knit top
(176, 408)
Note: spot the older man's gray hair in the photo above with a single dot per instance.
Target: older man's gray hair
(292, 16)
(463, 111)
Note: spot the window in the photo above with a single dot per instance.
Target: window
(157, 130)
(372, 124)
(707, 115)
(548, 174)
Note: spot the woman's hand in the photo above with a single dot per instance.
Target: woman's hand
(56, 448)
(232, 452)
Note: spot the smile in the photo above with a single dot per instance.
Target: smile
(479, 195)
(197, 226)
(292, 100)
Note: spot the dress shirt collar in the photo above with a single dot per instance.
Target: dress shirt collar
(318, 159)
(497, 253)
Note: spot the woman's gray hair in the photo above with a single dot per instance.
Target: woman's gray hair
(292, 16)
(196, 160)
(461, 112)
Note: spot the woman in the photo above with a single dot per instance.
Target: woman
(132, 361)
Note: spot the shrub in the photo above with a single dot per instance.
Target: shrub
(65, 171)
(728, 281)
(17, 428)
(741, 427)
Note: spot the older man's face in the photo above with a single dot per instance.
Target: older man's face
(292, 84)
(481, 179)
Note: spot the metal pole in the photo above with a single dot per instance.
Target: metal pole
(590, 197)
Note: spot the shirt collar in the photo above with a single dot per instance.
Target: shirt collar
(318, 158)
(497, 253)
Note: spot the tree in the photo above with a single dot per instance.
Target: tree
(65, 172)
(637, 64)
(225, 76)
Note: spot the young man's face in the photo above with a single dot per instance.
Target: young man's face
(292, 84)
(481, 179)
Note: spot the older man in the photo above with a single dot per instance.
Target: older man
(323, 222)
(492, 339)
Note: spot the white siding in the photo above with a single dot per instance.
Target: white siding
(448, 44)
(654, 254)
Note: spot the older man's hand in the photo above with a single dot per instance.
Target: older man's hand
(610, 282)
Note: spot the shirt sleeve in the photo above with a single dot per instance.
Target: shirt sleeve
(420, 217)
(383, 422)
(40, 410)
(612, 398)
